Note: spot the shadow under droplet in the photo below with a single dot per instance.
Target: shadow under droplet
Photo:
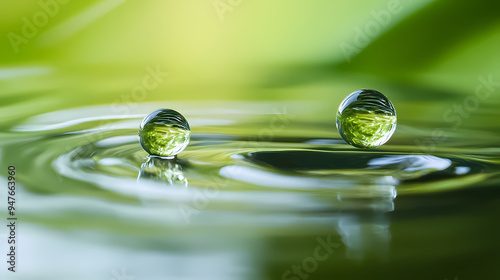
(405, 166)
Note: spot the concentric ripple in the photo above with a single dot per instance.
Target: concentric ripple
(287, 172)
(86, 164)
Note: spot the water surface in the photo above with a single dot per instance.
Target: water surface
(260, 182)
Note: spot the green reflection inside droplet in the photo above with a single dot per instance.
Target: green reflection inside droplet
(364, 129)
(164, 140)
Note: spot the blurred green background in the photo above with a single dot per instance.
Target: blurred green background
(95, 52)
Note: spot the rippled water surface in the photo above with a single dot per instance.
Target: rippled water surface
(259, 185)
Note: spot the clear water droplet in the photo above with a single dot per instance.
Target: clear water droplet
(164, 133)
(366, 119)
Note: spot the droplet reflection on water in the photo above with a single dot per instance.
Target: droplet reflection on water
(163, 170)
(366, 119)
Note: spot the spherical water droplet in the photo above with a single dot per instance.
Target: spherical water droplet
(164, 133)
(366, 119)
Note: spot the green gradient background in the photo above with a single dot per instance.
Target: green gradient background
(429, 55)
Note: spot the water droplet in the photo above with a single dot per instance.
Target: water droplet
(366, 119)
(164, 133)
